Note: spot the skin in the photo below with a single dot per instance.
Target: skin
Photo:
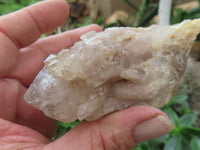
(22, 53)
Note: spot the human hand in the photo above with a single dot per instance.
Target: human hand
(21, 57)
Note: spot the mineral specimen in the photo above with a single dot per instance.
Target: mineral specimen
(113, 70)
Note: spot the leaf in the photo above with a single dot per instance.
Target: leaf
(100, 20)
(142, 146)
(187, 120)
(86, 22)
(7, 6)
(113, 24)
(137, 148)
(43, 35)
(174, 143)
(141, 13)
(189, 131)
(178, 99)
(161, 139)
(172, 115)
(145, 146)
(183, 108)
(64, 127)
(195, 143)
(75, 123)
(131, 5)
(185, 144)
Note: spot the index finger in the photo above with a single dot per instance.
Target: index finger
(24, 27)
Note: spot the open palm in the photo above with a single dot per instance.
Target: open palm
(21, 57)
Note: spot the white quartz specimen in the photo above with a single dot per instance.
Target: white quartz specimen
(113, 70)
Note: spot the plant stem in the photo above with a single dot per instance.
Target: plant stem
(164, 12)
(131, 4)
(148, 17)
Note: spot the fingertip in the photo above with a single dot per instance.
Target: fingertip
(65, 8)
(139, 123)
(49, 14)
(95, 27)
(152, 128)
(92, 27)
(62, 4)
(140, 113)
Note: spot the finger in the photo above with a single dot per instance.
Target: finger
(23, 27)
(14, 136)
(53, 44)
(121, 130)
(15, 109)
(26, 26)
(31, 58)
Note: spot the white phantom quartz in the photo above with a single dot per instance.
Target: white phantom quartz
(113, 70)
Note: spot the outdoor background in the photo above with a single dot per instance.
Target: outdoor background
(184, 108)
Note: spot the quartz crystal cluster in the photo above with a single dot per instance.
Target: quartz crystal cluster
(113, 70)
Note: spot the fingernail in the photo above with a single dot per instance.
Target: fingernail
(152, 128)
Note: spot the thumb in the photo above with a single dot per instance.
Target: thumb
(121, 130)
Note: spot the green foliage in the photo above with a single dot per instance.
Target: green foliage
(179, 14)
(131, 5)
(146, 12)
(62, 128)
(88, 21)
(174, 143)
(7, 6)
(195, 143)
(144, 16)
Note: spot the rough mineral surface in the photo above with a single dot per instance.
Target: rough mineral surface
(113, 70)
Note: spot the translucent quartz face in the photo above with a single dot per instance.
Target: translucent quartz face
(113, 70)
